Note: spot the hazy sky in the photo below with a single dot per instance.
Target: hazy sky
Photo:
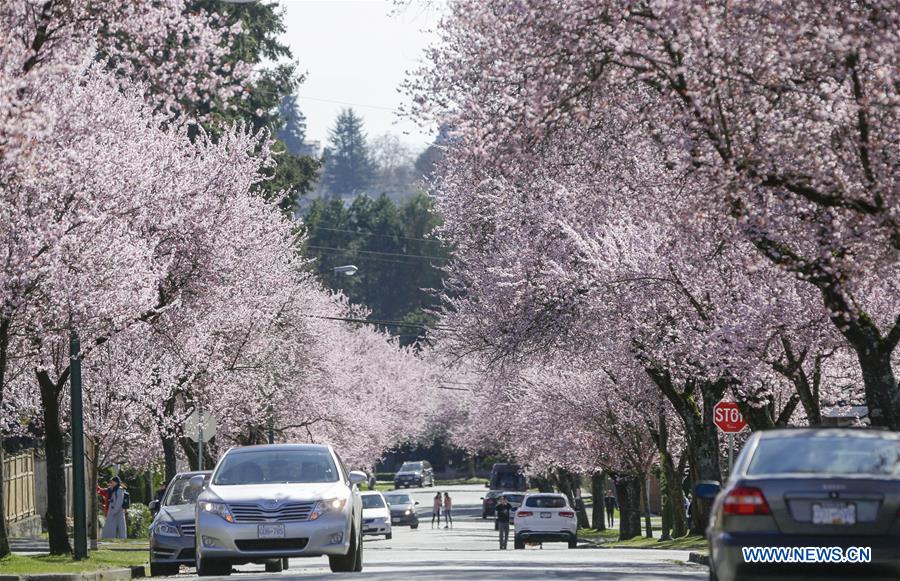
(356, 53)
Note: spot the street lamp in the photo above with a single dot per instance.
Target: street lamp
(349, 270)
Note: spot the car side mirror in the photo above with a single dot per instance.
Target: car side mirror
(357, 477)
(707, 489)
(482, 498)
(197, 481)
(153, 506)
(417, 502)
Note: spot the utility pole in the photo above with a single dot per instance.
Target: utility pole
(78, 491)
(200, 434)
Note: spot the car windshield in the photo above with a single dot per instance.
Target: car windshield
(266, 466)
(398, 499)
(826, 455)
(545, 502)
(494, 494)
(411, 466)
(517, 498)
(181, 492)
(372, 501)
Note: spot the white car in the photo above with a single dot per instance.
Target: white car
(267, 503)
(376, 514)
(544, 518)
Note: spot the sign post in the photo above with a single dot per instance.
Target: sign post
(200, 427)
(727, 417)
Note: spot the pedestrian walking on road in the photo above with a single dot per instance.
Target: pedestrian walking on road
(503, 509)
(114, 527)
(448, 517)
(436, 510)
(610, 502)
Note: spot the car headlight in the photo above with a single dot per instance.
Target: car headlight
(408, 511)
(219, 508)
(328, 505)
(165, 529)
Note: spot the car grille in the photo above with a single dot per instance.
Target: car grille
(290, 512)
(187, 529)
(270, 544)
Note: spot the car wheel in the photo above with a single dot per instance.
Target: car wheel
(209, 567)
(163, 569)
(389, 536)
(518, 543)
(274, 566)
(415, 525)
(348, 563)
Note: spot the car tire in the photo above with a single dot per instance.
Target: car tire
(163, 569)
(389, 536)
(518, 543)
(210, 567)
(348, 563)
(415, 525)
(274, 566)
(285, 563)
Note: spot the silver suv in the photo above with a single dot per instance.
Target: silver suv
(265, 504)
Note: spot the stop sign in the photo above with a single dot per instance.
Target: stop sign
(728, 418)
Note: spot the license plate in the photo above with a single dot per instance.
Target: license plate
(834, 513)
(270, 531)
(546, 514)
(395, 520)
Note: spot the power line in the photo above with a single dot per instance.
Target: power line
(432, 240)
(425, 256)
(379, 322)
(382, 107)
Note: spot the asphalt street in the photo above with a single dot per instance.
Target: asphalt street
(470, 550)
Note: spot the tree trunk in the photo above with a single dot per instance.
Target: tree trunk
(645, 501)
(881, 388)
(598, 516)
(675, 496)
(701, 434)
(93, 504)
(169, 457)
(190, 450)
(628, 491)
(4, 349)
(55, 452)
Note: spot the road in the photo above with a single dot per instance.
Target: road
(470, 551)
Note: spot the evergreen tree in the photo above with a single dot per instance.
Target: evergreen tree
(400, 264)
(293, 132)
(349, 170)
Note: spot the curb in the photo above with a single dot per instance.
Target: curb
(698, 558)
(121, 574)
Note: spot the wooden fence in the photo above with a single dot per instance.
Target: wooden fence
(18, 487)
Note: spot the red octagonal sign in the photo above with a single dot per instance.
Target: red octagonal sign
(728, 418)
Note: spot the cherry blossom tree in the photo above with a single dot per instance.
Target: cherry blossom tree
(786, 112)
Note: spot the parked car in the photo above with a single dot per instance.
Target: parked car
(489, 503)
(266, 503)
(172, 530)
(507, 477)
(376, 515)
(416, 474)
(813, 487)
(545, 518)
(403, 509)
